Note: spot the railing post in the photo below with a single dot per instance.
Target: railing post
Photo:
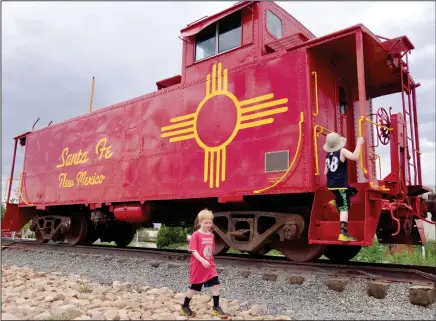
(12, 172)
(362, 97)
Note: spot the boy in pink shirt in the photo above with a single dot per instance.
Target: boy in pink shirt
(202, 267)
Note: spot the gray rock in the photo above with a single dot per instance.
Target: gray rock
(310, 300)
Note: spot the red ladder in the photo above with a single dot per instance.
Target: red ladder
(410, 121)
(397, 48)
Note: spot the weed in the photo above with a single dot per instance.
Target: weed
(85, 288)
(59, 317)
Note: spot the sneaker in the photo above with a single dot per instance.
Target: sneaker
(346, 237)
(187, 312)
(217, 311)
(332, 205)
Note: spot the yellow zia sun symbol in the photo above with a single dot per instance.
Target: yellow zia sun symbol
(248, 114)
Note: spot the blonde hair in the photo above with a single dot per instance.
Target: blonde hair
(204, 215)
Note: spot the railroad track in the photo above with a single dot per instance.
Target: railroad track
(389, 272)
(414, 274)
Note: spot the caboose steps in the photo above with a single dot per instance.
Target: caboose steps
(327, 232)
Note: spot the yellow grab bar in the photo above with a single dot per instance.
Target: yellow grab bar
(20, 190)
(377, 124)
(315, 142)
(316, 92)
(362, 118)
(293, 160)
(361, 152)
(383, 187)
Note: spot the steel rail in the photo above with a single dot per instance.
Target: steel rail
(416, 274)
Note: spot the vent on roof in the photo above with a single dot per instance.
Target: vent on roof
(286, 43)
(276, 161)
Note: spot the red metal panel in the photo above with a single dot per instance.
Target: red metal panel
(290, 25)
(248, 21)
(16, 217)
(126, 157)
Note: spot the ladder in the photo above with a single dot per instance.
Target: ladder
(408, 97)
(398, 48)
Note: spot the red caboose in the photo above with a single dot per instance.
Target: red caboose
(239, 132)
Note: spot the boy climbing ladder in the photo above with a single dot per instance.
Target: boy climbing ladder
(337, 178)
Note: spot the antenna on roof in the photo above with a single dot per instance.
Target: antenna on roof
(33, 127)
(92, 94)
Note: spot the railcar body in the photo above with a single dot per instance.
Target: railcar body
(240, 131)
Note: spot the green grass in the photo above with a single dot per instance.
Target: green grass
(377, 252)
(380, 253)
(176, 246)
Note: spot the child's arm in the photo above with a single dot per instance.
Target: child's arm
(205, 263)
(325, 169)
(354, 156)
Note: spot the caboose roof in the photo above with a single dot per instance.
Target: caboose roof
(202, 23)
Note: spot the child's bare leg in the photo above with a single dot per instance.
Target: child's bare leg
(190, 293)
(185, 310)
(216, 310)
(343, 210)
(344, 216)
(216, 295)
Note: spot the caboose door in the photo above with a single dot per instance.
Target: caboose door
(345, 117)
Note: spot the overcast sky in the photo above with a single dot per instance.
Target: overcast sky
(51, 51)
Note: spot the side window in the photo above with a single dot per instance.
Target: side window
(228, 31)
(342, 101)
(274, 24)
(205, 42)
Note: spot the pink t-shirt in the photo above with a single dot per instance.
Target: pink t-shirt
(205, 246)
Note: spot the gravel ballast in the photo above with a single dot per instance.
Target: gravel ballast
(310, 300)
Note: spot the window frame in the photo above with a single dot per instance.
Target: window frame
(266, 24)
(217, 34)
(345, 113)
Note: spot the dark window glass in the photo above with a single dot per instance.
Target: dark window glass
(342, 101)
(205, 42)
(274, 24)
(230, 32)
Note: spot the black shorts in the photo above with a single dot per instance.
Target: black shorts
(342, 197)
(212, 282)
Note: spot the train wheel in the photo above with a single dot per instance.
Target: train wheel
(78, 231)
(91, 236)
(39, 239)
(124, 234)
(341, 253)
(61, 239)
(220, 246)
(300, 250)
(260, 251)
(91, 233)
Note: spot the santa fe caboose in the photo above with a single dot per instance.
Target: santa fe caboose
(240, 132)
